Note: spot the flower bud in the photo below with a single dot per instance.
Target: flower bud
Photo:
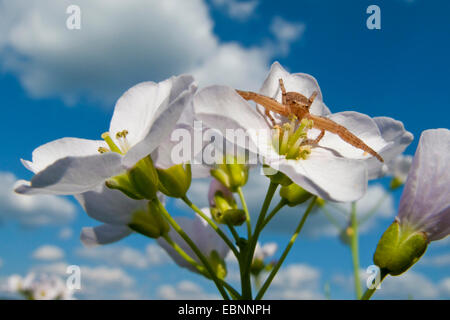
(175, 181)
(399, 248)
(231, 174)
(396, 183)
(218, 265)
(122, 183)
(294, 194)
(150, 223)
(144, 178)
(223, 206)
(277, 177)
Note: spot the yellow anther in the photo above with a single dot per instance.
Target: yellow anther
(112, 146)
(103, 150)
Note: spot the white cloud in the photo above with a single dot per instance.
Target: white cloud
(120, 255)
(444, 287)
(100, 282)
(239, 10)
(184, 290)
(121, 43)
(286, 32)
(410, 284)
(116, 255)
(442, 260)
(156, 255)
(48, 252)
(65, 233)
(32, 210)
(295, 281)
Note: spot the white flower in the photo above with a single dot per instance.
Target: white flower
(40, 287)
(204, 237)
(425, 202)
(333, 170)
(114, 209)
(143, 118)
(266, 251)
(399, 167)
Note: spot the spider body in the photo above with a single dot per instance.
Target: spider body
(296, 104)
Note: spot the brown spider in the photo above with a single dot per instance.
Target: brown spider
(294, 103)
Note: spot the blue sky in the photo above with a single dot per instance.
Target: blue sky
(58, 83)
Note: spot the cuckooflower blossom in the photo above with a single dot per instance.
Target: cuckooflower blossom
(39, 287)
(425, 202)
(398, 169)
(265, 251)
(201, 233)
(143, 117)
(333, 169)
(117, 211)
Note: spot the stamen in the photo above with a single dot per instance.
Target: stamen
(110, 142)
(103, 150)
(291, 141)
(285, 138)
(121, 137)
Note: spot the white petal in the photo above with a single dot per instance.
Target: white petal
(298, 82)
(172, 96)
(397, 138)
(72, 175)
(302, 83)
(48, 153)
(323, 174)
(221, 108)
(103, 234)
(361, 126)
(425, 202)
(109, 206)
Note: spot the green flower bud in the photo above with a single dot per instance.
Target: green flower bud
(175, 181)
(150, 223)
(278, 177)
(122, 183)
(345, 235)
(396, 183)
(231, 174)
(256, 267)
(320, 202)
(399, 248)
(234, 217)
(218, 265)
(294, 194)
(144, 178)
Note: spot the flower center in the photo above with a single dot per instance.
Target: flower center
(122, 141)
(291, 140)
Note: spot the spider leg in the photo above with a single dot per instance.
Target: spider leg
(283, 92)
(267, 113)
(319, 137)
(313, 96)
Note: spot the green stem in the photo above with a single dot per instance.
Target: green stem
(355, 251)
(184, 255)
(278, 207)
(212, 224)
(250, 251)
(247, 214)
(234, 233)
(230, 289)
(369, 292)
(286, 251)
(196, 265)
(196, 250)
